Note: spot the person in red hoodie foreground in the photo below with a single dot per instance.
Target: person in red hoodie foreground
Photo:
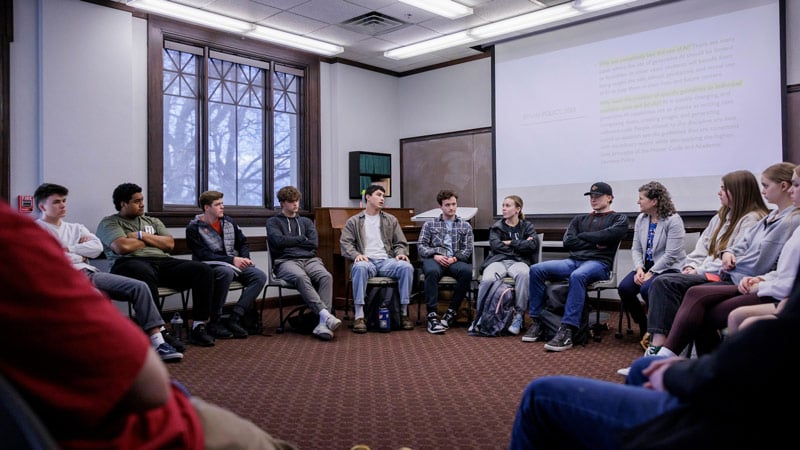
(88, 372)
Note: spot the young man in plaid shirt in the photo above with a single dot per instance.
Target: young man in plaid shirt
(445, 246)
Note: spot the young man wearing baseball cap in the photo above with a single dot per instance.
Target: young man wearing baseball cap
(592, 240)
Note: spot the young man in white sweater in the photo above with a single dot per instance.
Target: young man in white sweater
(80, 245)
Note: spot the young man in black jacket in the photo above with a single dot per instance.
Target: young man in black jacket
(592, 240)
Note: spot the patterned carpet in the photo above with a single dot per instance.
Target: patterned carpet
(387, 391)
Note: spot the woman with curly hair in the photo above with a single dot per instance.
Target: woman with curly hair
(657, 248)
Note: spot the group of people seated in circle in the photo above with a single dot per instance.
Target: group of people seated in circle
(742, 277)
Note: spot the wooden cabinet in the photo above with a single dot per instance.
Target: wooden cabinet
(329, 223)
(368, 168)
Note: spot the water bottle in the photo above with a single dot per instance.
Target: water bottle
(384, 321)
(176, 324)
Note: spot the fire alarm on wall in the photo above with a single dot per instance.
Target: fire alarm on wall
(25, 203)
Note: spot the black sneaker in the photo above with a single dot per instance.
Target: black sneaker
(233, 325)
(534, 332)
(199, 336)
(562, 340)
(173, 341)
(434, 326)
(448, 319)
(219, 331)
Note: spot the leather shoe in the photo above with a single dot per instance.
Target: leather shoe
(407, 323)
(360, 326)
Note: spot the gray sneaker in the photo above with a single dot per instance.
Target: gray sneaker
(332, 322)
(534, 332)
(516, 324)
(323, 332)
(562, 340)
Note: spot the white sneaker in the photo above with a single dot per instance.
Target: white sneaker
(516, 324)
(652, 350)
(332, 322)
(624, 372)
(323, 332)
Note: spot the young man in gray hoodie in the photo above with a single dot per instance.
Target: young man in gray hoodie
(293, 243)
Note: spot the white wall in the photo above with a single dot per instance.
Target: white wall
(359, 114)
(90, 123)
(450, 99)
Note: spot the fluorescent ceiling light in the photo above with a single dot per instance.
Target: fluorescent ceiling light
(432, 45)
(594, 5)
(525, 21)
(294, 40)
(220, 22)
(189, 14)
(444, 8)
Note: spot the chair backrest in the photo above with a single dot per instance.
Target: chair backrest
(272, 279)
(690, 241)
(20, 427)
(540, 237)
(611, 281)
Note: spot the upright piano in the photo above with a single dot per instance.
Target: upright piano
(329, 223)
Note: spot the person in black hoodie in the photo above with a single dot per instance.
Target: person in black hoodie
(592, 241)
(293, 243)
(735, 397)
(513, 248)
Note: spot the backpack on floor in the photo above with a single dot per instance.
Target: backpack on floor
(554, 310)
(382, 297)
(495, 310)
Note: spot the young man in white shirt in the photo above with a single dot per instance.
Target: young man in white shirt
(375, 243)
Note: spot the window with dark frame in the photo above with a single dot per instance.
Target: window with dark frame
(233, 119)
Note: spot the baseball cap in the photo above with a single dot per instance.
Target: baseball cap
(600, 188)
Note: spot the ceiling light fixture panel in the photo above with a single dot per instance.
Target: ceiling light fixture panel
(431, 45)
(444, 8)
(194, 15)
(220, 22)
(294, 40)
(525, 21)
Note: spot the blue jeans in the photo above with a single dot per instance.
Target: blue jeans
(402, 271)
(567, 412)
(579, 273)
(635, 376)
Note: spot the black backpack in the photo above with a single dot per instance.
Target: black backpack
(495, 310)
(554, 310)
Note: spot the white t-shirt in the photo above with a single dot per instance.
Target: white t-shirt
(374, 246)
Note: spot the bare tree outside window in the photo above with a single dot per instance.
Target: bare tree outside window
(233, 114)
(181, 146)
(237, 156)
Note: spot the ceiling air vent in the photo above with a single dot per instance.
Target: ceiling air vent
(373, 23)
